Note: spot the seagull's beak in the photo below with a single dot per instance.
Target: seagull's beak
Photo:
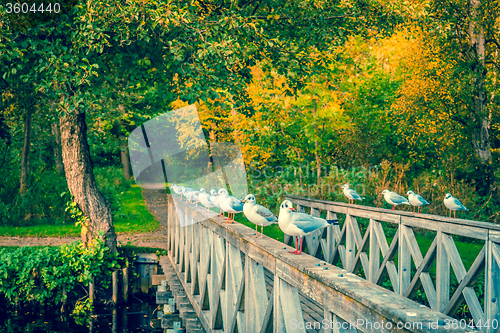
(291, 208)
(243, 200)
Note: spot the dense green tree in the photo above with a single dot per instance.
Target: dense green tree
(188, 49)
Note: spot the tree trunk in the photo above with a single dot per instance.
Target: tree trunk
(482, 140)
(25, 154)
(81, 181)
(57, 148)
(124, 150)
(125, 159)
(316, 146)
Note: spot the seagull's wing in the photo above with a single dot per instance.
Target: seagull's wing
(459, 204)
(307, 223)
(236, 204)
(354, 195)
(266, 213)
(422, 200)
(396, 198)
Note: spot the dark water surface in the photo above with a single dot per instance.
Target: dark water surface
(136, 317)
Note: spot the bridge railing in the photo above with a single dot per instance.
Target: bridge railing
(236, 282)
(371, 254)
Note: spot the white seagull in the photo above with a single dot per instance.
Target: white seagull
(257, 214)
(204, 198)
(351, 194)
(416, 200)
(394, 199)
(185, 191)
(229, 204)
(453, 204)
(299, 224)
(192, 197)
(176, 189)
(214, 198)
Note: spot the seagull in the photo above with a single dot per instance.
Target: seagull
(176, 189)
(185, 191)
(214, 198)
(453, 204)
(257, 214)
(229, 204)
(192, 197)
(351, 194)
(204, 198)
(299, 224)
(394, 199)
(416, 200)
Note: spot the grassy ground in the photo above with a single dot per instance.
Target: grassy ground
(133, 217)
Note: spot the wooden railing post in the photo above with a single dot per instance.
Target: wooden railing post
(492, 283)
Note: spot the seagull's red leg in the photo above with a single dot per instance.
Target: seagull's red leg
(418, 210)
(454, 214)
(256, 232)
(300, 246)
(296, 246)
(261, 231)
(393, 207)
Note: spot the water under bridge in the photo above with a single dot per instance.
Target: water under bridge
(361, 275)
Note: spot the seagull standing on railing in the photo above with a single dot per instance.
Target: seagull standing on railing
(185, 191)
(229, 204)
(204, 198)
(192, 197)
(394, 199)
(176, 189)
(416, 200)
(257, 214)
(351, 194)
(214, 198)
(299, 224)
(453, 204)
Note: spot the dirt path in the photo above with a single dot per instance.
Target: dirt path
(155, 202)
(155, 239)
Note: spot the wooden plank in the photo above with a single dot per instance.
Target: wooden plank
(350, 244)
(404, 260)
(413, 246)
(144, 278)
(157, 278)
(235, 285)
(374, 252)
(442, 274)
(278, 320)
(387, 266)
(329, 244)
(387, 216)
(361, 256)
(256, 301)
(217, 271)
(290, 304)
(341, 207)
(469, 280)
(473, 304)
(447, 227)
(492, 290)
(454, 256)
(422, 276)
(351, 297)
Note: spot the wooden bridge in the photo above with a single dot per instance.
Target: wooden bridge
(238, 283)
